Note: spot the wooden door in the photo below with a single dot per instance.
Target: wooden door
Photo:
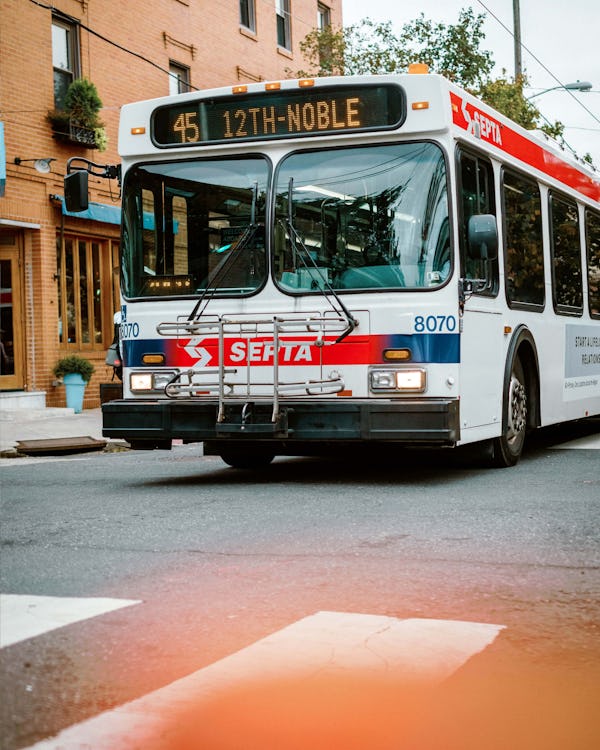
(11, 313)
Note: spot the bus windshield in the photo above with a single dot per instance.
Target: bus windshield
(356, 218)
(362, 218)
(192, 226)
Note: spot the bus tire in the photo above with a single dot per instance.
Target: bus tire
(507, 449)
(247, 459)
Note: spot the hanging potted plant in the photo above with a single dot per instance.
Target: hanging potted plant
(79, 122)
(75, 372)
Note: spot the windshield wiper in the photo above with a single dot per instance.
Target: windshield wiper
(236, 251)
(302, 253)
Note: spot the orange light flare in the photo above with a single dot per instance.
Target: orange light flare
(529, 710)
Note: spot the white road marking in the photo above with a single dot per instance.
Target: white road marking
(6, 462)
(23, 617)
(422, 650)
(591, 441)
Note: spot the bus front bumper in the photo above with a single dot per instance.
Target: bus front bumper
(410, 421)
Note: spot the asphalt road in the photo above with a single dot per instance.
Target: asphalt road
(218, 558)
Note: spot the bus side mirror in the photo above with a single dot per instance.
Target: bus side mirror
(482, 237)
(76, 191)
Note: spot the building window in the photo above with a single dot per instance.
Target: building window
(524, 252)
(323, 17)
(86, 292)
(179, 79)
(65, 57)
(247, 14)
(284, 26)
(325, 53)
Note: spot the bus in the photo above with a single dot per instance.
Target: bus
(335, 263)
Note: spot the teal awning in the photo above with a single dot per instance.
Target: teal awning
(109, 215)
(96, 212)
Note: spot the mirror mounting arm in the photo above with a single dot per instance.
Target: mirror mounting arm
(76, 180)
(108, 171)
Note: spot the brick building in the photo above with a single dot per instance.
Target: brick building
(59, 287)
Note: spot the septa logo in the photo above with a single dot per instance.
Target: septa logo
(264, 351)
(204, 352)
(482, 126)
(198, 353)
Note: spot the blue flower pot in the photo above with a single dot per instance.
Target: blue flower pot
(74, 387)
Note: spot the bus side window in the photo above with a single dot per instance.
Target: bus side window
(592, 235)
(566, 256)
(523, 243)
(476, 196)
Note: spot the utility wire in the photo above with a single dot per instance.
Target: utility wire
(550, 73)
(191, 86)
(114, 44)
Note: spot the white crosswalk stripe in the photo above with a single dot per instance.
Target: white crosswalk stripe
(23, 617)
(334, 643)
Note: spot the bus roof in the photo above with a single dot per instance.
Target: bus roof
(432, 105)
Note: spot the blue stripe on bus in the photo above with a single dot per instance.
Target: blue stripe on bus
(427, 347)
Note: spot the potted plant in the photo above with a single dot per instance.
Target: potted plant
(79, 122)
(75, 372)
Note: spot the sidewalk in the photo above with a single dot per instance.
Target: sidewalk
(48, 423)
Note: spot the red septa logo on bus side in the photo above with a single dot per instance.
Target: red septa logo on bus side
(475, 122)
(487, 128)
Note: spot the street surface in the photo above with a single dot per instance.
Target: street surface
(413, 600)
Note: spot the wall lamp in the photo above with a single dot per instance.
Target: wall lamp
(575, 86)
(41, 165)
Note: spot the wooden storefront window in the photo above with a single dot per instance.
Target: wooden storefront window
(88, 292)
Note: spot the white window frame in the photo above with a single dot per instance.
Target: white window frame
(68, 69)
(179, 78)
(323, 16)
(248, 11)
(284, 24)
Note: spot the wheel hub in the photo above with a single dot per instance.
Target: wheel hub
(518, 408)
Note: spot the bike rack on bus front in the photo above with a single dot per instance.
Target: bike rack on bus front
(254, 396)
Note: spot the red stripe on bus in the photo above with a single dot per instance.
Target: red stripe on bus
(500, 135)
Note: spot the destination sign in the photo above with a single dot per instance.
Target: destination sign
(284, 114)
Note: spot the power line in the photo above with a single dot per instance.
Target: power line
(539, 62)
(110, 41)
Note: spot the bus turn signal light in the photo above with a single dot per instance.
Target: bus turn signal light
(153, 359)
(395, 355)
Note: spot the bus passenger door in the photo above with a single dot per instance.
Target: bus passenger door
(482, 357)
(481, 371)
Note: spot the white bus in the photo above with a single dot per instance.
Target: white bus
(311, 264)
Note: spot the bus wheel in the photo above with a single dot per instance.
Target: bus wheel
(508, 447)
(247, 459)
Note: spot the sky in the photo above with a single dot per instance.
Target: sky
(562, 41)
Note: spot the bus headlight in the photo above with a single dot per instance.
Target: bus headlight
(150, 381)
(407, 381)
